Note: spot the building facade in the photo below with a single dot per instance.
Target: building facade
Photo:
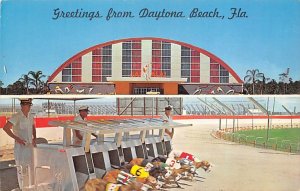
(144, 66)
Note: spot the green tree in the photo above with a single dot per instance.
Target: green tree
(17, 88)
(1, 84)
(253, 76)
(26, 80)
(262, 80)
(294, 87)
(284, 80)
(288, 86)
(271, 87)
(36, 79)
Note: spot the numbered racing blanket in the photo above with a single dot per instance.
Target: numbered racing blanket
(139, 171)
(125, 178)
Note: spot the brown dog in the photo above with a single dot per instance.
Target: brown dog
(95, 185)
(137, 161)
(102, 185)
(175, 175)
(205, 165)
(151, 181)
(112, 177)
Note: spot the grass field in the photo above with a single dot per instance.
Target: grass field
(292, 134)
(282, 139)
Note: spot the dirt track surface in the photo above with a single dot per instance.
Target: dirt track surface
(237, 167)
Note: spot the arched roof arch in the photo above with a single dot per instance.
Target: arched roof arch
(85, 51)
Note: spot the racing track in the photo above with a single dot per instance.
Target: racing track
(237, 167)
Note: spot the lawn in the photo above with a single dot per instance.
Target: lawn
(280, 139)
(292, 134)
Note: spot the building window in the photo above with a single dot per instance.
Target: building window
(101, 64)
(72, 73)
(131, 58)
(146, 89)
(161, 59)
(190, 65)
(218, 74)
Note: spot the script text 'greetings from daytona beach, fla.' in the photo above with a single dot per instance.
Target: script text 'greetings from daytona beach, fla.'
(80, 13)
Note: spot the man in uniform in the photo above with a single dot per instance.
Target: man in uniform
(78, 136)
(24, 133)
(167, 118)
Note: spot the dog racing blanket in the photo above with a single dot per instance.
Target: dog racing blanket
(187, 156)
(139, 171)
(172, 163)
(125, 178)
(185, 162)
(148, 167)
(112, 187)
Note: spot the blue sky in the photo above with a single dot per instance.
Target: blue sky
(268, 39)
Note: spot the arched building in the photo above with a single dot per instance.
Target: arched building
(141, 65)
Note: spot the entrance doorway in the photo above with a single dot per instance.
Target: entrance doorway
(145, 90)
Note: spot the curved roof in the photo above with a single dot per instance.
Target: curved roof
(80, 54)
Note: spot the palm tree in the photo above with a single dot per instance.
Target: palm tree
(36, 79)
(253, 76)
(25, 79)
(285, 79)
(264, 81)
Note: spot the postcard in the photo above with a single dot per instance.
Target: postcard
(210, 90)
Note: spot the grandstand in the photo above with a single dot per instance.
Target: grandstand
(138, 107)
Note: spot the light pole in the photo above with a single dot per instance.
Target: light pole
(268, 127)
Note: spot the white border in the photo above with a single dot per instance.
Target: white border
(87, 96)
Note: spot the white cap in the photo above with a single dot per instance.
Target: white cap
(169, 107)
(25, 100)
(83, 108)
